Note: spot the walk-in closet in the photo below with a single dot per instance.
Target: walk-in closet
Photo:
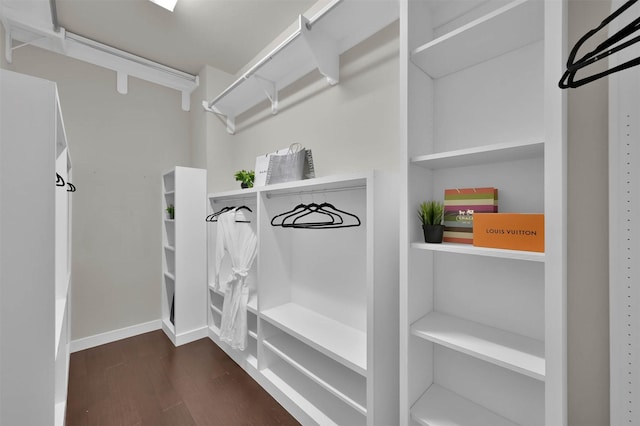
(319, 212)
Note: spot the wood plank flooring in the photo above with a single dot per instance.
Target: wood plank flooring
(145, 380)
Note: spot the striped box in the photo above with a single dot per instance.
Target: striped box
(459, 206)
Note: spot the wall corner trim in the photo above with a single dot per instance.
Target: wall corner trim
(114, 335)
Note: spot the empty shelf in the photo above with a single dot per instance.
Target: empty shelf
(441, 407)
(517, 353)
(338, 341)
(343, 383)
(481, 155)
(508, 28)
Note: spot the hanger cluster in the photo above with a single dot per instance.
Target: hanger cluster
(60, 182)
(315, 216)
(603, 50)
(213, 217)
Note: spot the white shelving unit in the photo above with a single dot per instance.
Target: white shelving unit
(483, 331)
(184, 255)
(317, 42)
(325, 324)
(35, 252)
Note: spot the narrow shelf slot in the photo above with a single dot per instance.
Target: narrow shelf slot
(215, 309)
(481, 155)
(342, 343)
(316, 402)
(343, 383)
(512, 351)
(530, 256)
(485, 38)
(441, 407)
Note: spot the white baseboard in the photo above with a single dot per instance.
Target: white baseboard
(112, 336)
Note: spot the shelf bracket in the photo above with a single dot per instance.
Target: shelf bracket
(122, 83)
(270, 90)
(8, 51)
(229, 118)
(324, 50)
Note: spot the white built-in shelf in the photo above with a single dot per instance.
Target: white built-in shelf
(315, 43)
(252, 334)
(503, 152)
(252, 303)
(170, 193)
(61, 310)
(170, 248)
(215, 309)
(340, 381)
(315, 402)
(485, 38)
(321, 184)
(530, 256)
(340, 342)
(168, 221)
(441, 407)
(170, 276)
(511, 351)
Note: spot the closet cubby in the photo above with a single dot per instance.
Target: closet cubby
(35, 260)
(184, 255)
(482, 330)
(323, 299)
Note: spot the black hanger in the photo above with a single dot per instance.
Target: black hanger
(243, 208)
(59, 180)
(334, 217)
(309, 210)
(212, 217)
(603, 50)
(72, 187)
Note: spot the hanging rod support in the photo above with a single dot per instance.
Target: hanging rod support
(270, 90)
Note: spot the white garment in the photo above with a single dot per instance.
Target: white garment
(239, 241)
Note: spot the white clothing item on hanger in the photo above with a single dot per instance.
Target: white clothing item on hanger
(238, 240)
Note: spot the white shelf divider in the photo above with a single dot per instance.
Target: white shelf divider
(514, 352)
(342, 383)
(338, 341)
(510, 151)
(441, 407)
(530, 256)
(485, 38)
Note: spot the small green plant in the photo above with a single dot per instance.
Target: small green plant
(170, 211)
(431, 212)
(245, 177)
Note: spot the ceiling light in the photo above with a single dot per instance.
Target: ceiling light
(167, 4)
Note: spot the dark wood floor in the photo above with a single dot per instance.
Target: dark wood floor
(145, 380)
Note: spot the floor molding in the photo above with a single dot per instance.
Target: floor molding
(114, 335)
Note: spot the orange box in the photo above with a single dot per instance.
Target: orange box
(513, 231)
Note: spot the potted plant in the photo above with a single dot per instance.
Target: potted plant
(431, 215)
(170, 211)
(245, 178)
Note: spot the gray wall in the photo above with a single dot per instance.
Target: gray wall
(120, 145)
(588, 255)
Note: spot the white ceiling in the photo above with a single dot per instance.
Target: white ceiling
(225, 34)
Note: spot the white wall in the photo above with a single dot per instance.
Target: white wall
(119, 145)
(352, 126)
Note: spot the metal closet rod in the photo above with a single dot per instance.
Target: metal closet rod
(274, 52)
(315, 191)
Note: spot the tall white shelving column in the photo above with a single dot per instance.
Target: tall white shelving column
(184, 255)
(35, 253)
(624, 234)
